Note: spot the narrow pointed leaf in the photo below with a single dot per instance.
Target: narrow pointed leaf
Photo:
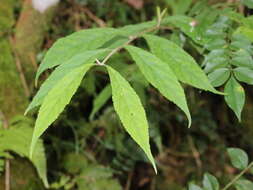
(235, 96)
(62, 71)
(130, 111)
(56, 100)
(76, 43)
(183, 65)
(160, 76)
(86, 40)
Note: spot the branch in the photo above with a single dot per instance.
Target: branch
(131, 39)
(238, 176)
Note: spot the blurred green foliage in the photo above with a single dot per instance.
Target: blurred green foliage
(89, 149)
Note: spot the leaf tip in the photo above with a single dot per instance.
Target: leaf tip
(189, 123)
(219, 93)
(32, 146)
(155, 169)
(239, 117)
(26, 112)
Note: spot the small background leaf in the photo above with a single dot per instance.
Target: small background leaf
(194, 187)
(243, 184)
(219, 76)
(235, 96)
(210, 182)
(238, 157)
(248, 3)
(244, 74)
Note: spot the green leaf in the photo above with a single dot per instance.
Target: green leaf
(73, 163)
(246, 31)
(244, 74)
(184, 24)
(130, 111)
(194, 187)
(243, 184)
(210, 182)
(238, 157)
(60, 72)
(160, 76)
(248, 3)
(215, 44)
(242, 58)
(17, 139)
(216, 59)
(240, 41)
(182, 64)
(76, 43)
(56, 100)
(219, 76)
(86, 40)
(235, 96)
(100, 100)
(179, 7)
(96, 177)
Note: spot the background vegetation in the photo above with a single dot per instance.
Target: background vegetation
(87, 147)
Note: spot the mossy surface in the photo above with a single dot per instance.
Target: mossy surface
(29, 35)
(12, 97)
(23, 176)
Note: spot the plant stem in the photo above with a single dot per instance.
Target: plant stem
(131, 39)
(238, 176)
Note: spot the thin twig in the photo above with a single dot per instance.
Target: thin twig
(33, 61)
(131, 39)
(7, 162)
(129, 180)
(93, 17)
(195, 153)
(238, 176)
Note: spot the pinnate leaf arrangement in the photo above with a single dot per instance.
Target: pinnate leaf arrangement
(165, 66)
